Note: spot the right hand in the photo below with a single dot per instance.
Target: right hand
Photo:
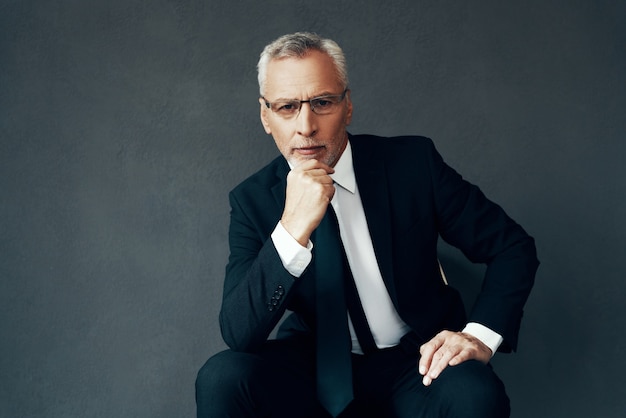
(309, 191)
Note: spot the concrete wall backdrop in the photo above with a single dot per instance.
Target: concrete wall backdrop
(124, 123)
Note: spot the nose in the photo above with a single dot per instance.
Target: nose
(306, 121)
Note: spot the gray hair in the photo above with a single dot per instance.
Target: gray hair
(297, 45)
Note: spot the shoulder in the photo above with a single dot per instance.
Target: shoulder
(391, 142)
(265, 178)
(395, 149)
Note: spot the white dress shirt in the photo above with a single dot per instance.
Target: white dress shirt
(385, 324)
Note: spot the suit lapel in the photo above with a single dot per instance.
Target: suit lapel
(371, 178)
(279, 189)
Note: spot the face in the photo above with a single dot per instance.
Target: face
(307, 135)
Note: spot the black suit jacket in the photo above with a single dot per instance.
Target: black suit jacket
(410, 198)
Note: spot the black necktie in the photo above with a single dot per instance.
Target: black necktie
(334, 364)
(357, 314)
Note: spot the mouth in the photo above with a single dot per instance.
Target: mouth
(309, 150)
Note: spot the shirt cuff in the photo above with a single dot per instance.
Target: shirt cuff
(295, 257)
(488, 337)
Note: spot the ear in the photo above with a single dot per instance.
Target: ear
(264, 117)
(348, 100)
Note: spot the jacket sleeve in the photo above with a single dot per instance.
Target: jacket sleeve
(257, 286)
(486, 234)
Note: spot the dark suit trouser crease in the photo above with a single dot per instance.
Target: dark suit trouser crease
(279, 382)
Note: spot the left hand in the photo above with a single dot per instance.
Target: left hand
(450, 349)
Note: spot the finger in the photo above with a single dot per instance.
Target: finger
(427, 351)
(308, 172)
(323, 178)
(456, 349)
(460, 358)
(315, 175)
(473, 349)
(441, 360)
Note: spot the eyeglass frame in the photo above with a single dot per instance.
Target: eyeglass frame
(310, 101)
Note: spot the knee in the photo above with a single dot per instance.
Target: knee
(226, 385)
(206, 376)
(224, 372)
(471, 389)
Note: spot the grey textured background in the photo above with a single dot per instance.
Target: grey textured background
(124, 123)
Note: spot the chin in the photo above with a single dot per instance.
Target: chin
(297, 159)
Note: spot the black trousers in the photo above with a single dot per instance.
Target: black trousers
(279, 382)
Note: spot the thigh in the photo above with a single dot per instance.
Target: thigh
(278, 381)
(469, 390)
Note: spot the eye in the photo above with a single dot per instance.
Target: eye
(285, 107)
(323, 102)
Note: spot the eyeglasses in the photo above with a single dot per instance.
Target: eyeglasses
(322, 105)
